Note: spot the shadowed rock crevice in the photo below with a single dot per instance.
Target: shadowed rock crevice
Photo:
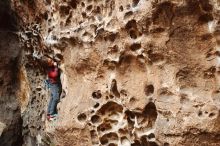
(7, 17)
(10, 54)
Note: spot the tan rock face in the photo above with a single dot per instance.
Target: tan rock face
(139, 72)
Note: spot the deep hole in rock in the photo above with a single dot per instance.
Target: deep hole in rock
(96, 105)
(82, 117)
(89, 8)
(82, 4)
(131, 24)
(123, 132)
(64, 10)
(110, 107)
(97, 94)
(135, 46)
(130, 123)
(166, 144)
(128, 14)
(73, 4)
(59, 56)
(114, 88)
(151, 135)
(97, 10)
(130, 114)
(123, 92)
(45, 16)
(150, 111)
(144, 141)
(125, 59)
(155, 57)
(133, 34)
(136, 143)
(132, 100)
(103, 140)
(38, 89)
(104, 126)
(211, 115)
(109, 137)
(111, 96)
(95, 119)
(131, 28)
(121, 8)
(148, 90)
(135, 3)
(152, 143)
(111, 37)
(106, 97)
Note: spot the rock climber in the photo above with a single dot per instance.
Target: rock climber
(54, 84)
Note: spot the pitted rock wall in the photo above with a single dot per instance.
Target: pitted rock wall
(139, 72)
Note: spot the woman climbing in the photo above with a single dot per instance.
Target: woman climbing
(54, 84)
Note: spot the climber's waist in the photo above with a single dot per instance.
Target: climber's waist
(53, 81)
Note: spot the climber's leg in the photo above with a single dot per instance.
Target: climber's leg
(55, 91)
(49, 112)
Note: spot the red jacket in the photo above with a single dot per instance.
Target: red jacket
(53, 74)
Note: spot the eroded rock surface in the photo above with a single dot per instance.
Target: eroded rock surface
(138, 72)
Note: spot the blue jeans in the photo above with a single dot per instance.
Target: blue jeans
(54, 99)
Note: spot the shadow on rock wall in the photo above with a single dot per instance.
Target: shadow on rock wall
(10, 117)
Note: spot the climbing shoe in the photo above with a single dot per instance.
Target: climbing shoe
(53, 117)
